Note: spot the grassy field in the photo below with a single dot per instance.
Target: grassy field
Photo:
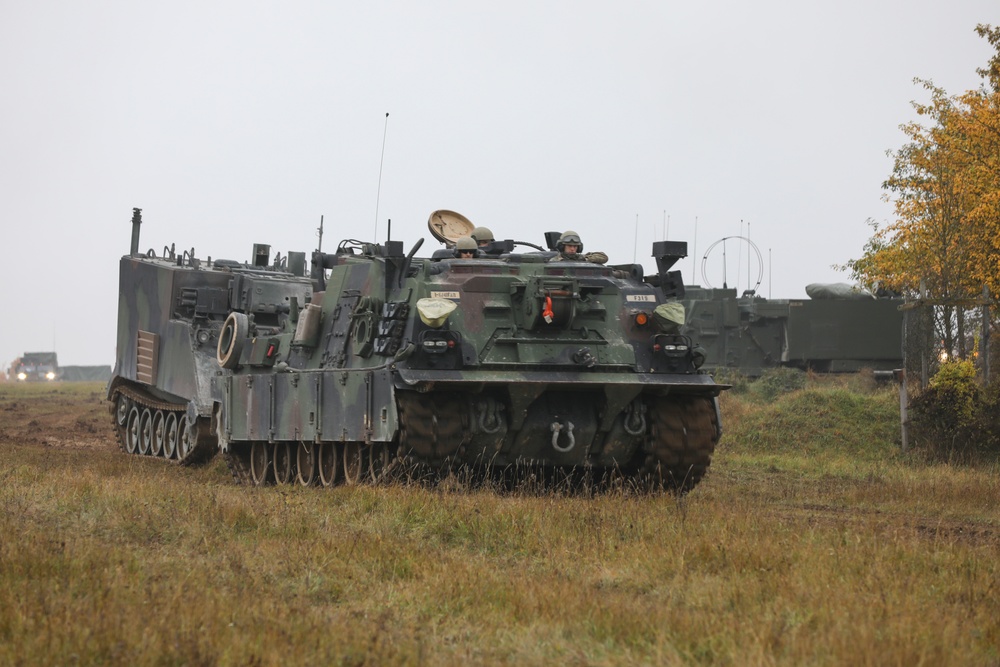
(812, 541)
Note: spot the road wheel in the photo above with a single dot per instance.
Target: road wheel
(260, 463)
(284, 469)
(132, 431)
(145, 432)
(354, 463)
(305, 463)
(159, 433)
(170, 433)
(328, 459)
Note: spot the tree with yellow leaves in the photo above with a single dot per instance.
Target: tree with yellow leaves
(945, 190)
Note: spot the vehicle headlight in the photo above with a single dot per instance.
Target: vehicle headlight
(50, 376)
(22, 376)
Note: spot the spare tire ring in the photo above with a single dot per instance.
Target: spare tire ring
(231, 338)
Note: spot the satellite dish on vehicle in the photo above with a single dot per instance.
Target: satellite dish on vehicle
(449, 226)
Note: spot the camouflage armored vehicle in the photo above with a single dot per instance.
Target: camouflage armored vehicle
(171, 309)
(380, 359)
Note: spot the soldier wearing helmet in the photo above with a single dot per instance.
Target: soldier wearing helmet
(489, 245)
(570, 247)
(466, 248)
(482, 236)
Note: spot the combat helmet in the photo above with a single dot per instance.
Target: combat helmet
(466, 244)
(482, 235)
(569, 236)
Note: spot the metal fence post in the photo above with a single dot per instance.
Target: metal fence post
(903, 400)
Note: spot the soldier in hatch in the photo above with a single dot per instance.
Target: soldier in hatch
(482, 236)
(571, 250)
(488, 246)
(466, 248)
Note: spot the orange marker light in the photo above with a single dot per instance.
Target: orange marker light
(641, 319)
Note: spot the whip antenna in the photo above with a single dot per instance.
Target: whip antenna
(635, 239)
(381, 161)
(739, 262)
(694, 252)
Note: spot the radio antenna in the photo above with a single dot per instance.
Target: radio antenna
(739, 262)
(319, 233)
(635, 239)
(694, 253)
(378, 193)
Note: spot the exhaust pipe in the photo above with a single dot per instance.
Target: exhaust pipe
(136, 221)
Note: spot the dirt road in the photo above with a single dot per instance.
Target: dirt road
(70, 414)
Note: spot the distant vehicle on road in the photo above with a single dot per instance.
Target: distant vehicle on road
(35, 367)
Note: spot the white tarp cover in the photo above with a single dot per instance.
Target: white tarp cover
(837, 291)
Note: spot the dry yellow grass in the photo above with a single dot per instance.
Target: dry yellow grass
(789, 553)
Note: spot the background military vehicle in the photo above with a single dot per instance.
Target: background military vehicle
(838, 329)
(35, 367)
(44, 367)
(830, 333)
(85, 373)
(380, 360)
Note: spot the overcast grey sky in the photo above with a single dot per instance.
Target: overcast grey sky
(231, 123)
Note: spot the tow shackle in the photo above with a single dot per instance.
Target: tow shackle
(557, 428)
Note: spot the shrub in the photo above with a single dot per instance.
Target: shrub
(955, 418)
(732, 376)
(778, 381)
(987, 421)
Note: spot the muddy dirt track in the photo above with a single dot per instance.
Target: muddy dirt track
(76, 416)
(59, 415)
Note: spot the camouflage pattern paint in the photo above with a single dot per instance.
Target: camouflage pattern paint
(555, 363)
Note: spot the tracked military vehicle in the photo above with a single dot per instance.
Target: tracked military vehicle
(380, 359)
(171, 309)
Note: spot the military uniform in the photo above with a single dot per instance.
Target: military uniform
(571, 238)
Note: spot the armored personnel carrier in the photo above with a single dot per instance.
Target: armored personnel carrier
(380, 359)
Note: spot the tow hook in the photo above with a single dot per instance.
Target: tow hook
(584, 357)
(635, 418)
(556, 428)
